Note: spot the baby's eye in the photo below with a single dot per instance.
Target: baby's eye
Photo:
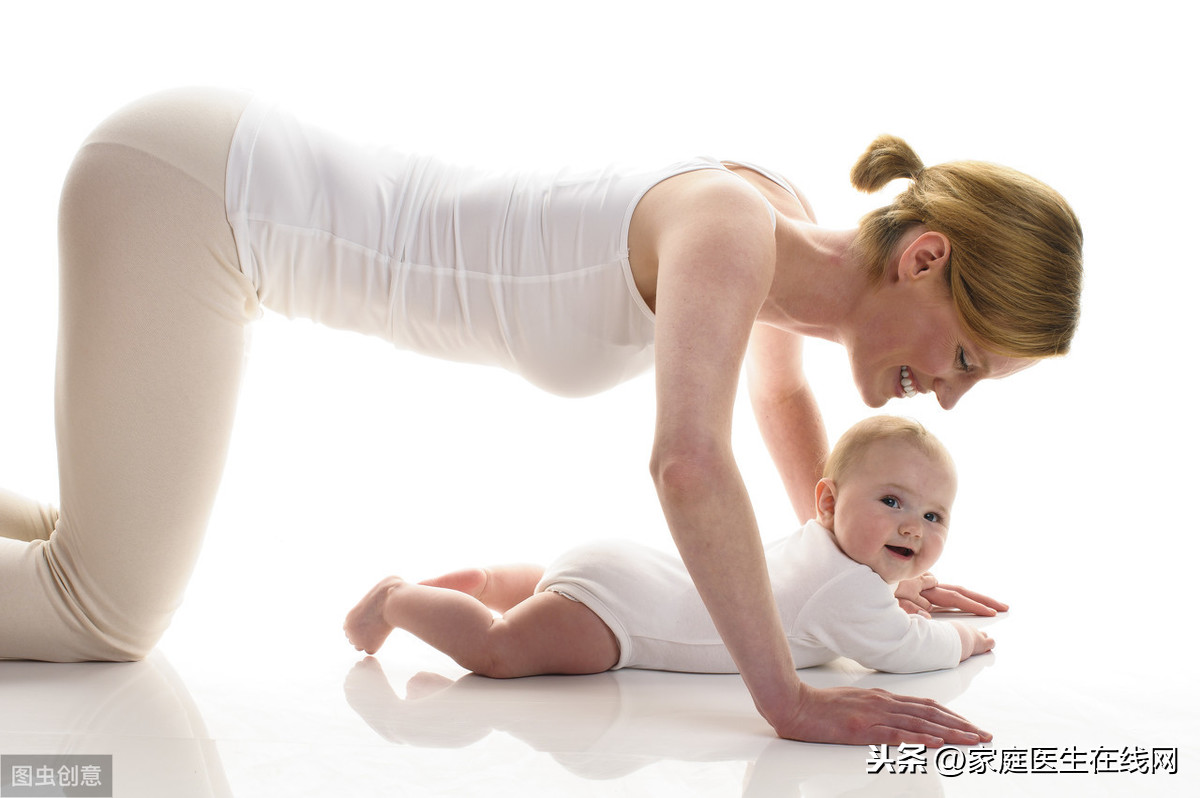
(890, 501)
(933, 518)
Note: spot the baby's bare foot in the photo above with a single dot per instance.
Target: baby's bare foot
(365, 626)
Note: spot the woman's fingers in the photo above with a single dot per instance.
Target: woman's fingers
(959, 598)
(926, 716)
(854, 716)
(913, 608)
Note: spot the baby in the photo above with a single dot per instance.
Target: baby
(883, 512)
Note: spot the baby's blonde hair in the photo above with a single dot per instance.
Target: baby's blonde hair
(1016, 247)
(848, 452)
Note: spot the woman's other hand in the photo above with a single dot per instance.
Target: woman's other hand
(923, 594)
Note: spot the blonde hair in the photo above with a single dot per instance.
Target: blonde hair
(1016, 247)
(850, 449)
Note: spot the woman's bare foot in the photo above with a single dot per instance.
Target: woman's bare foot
(365, 626)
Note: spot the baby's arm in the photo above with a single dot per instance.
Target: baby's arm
(857, 617)
(974, 641)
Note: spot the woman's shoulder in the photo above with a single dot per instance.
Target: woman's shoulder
(710, 224)
(781, 192)
(713, 200)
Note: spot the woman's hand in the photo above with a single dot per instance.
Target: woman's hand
(854, 716)
(924, 594)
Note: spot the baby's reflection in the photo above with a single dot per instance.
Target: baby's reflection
(608, 725)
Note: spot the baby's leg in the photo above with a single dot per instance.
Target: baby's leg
(499, 587)
(546, 633)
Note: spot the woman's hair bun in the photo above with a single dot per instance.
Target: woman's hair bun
(886, 159)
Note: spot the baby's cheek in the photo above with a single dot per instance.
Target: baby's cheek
(928, 558)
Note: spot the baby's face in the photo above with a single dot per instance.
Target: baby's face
(892, 510)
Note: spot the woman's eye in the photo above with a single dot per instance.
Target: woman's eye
(890, 501)
(963, 365)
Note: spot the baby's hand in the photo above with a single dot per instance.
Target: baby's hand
(974, 641)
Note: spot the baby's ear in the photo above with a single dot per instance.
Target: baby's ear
(826, 499)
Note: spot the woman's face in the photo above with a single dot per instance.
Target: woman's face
(910, 341)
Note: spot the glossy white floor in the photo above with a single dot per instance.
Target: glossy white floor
(318, 720)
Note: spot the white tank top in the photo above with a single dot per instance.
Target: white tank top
(525, 271)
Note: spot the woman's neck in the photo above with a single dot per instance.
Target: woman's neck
(818, 281)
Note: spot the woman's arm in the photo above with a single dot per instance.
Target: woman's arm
(787, 414)
(715, 257)
(715, 262)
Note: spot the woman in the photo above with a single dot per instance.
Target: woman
(185, 213)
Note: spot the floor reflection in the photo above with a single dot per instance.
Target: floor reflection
(611, 724)
(139, 712)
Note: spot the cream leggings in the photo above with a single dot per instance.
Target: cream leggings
(153, 318)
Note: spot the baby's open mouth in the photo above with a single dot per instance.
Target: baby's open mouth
(901, 551)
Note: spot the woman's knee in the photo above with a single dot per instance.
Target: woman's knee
(73, 639)
(74, 603)
(131, 646)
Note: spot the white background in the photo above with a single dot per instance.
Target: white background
(351, 460)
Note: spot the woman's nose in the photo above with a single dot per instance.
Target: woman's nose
(950, 391)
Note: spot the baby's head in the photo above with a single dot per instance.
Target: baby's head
(886, 495)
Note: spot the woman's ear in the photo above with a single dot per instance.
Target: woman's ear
(826, 499)
(926, 255)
